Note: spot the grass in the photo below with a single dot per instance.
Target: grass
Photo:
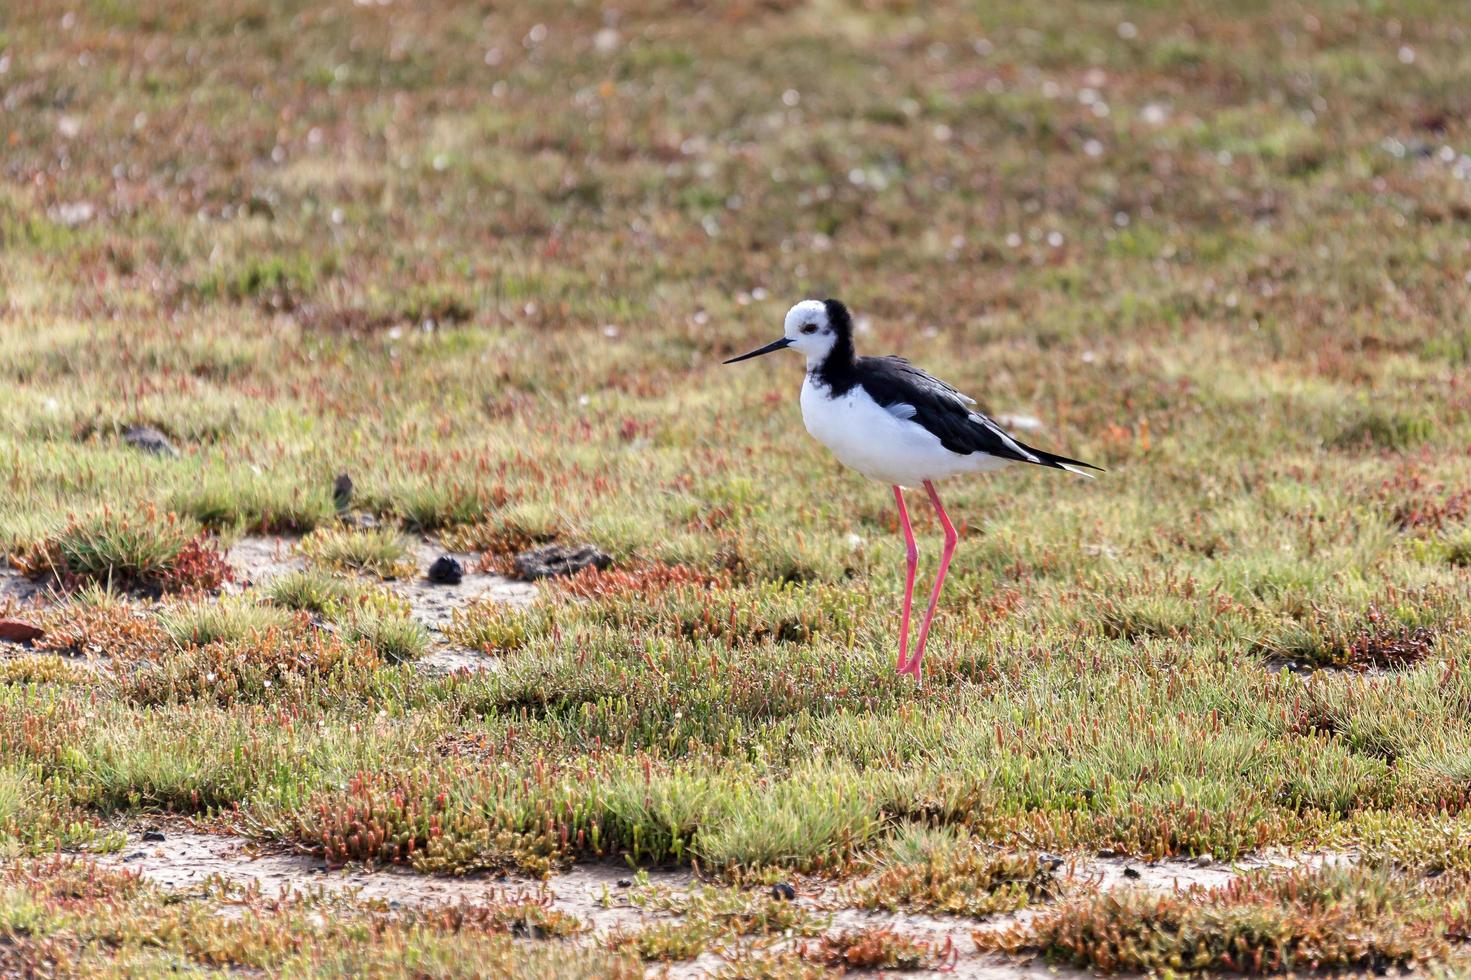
(315, 591)
(486, 262)
(394, 637)
(66, 914)
(943, 872)
(1333, 919)
(202, 622)
(223, 503)
(877, 949)
(147, 553)
(363, 613)
(494, 627)
(292, 665)
(378, 551)
(737, 923)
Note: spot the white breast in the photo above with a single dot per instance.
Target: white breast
(881, 443)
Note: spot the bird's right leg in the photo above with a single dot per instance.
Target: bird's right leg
(951, 537)
(911, 552)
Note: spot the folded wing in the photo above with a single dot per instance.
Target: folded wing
(907, 392)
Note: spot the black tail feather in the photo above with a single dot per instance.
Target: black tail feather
(1044, 458)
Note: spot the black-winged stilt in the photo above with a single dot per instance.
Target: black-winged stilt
(890, 421)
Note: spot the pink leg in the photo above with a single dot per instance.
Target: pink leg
(912, 556)
(929, 617)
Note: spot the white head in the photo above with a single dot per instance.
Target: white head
(809, 329)
(814, 327)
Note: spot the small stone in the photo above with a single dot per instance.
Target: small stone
(18, 631)
(783, 892)
(446, 571)
(605, 41)
(555, 559)
(153, 836)
(1108, 853)
(135, 856)
(1132, 874)
(1048, 862)
(625, 882)
(150, 440)
(342, 492)
(1204, 860)
(75, 213)
(1020, 422)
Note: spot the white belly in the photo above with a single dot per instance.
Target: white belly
(868, 438)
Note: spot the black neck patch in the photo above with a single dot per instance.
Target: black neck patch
(838, 371)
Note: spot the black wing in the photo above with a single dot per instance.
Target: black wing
(942, 410)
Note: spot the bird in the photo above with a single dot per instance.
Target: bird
(893, 423)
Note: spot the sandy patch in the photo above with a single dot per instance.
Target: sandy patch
(186, 859)
(1107, 874)
(599, 894)
(434, 604)
(16, 590)
(257, 560)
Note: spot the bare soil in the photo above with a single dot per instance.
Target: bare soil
(599, 894)
(259, 559)
(17, 590)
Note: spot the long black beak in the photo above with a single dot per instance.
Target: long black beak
(774, 345)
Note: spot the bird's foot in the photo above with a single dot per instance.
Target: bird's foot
(911, 668)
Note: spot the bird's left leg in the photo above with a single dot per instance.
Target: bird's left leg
(929, 617)
(911, 555)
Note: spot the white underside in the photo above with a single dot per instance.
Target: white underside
(876, 442)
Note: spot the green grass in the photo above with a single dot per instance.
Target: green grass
(734, 922)
(394, 637)
(314, 591)
(378, 551)
(148, 552)
(941, 871)
(202, 622)
(363, 613)
(224, 503)
(1333, 919)
(489, 269)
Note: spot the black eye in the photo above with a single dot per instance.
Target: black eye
(809, 328)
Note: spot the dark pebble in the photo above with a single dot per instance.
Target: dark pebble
(1132, 874)
(552, 560)
(153, 836)
(1048, 862)
(1107, 853)
(783, 892)
(446, 571)
(342, 491)
(625, 882)
(150, 440)
(135, 856)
